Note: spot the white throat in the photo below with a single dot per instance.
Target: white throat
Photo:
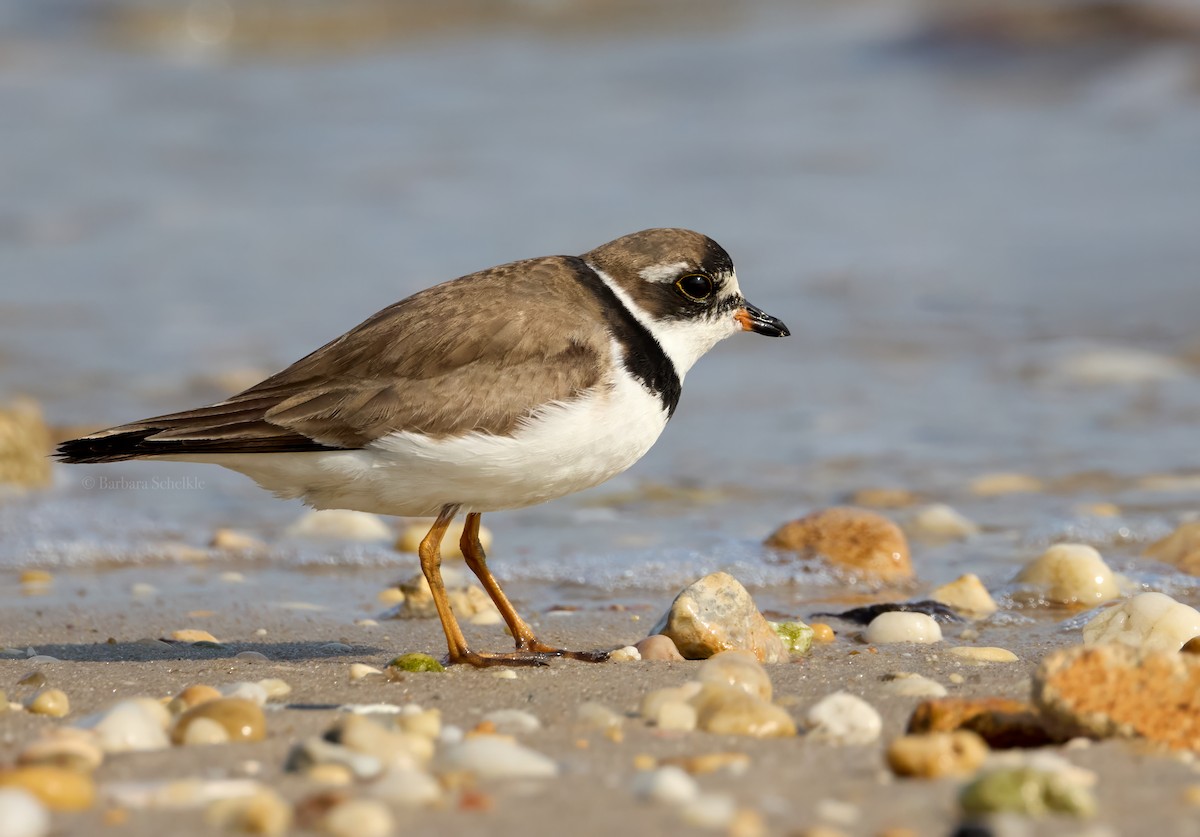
(684, 341)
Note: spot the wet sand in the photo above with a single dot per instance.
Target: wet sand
(786, 783)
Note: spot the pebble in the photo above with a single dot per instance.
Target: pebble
(658, 647)
(68, 747)
(142, 590)
(361, 671)
(275, 688)
(884, 498)
(1001, 722)
(251, 657)
(1026, 791)
(262, 812)
(1153, 621)
(36, 577)
(408, 788)
(717, 614)
(1001, 483)
(504, 674)
(966, 595)
(416, 662)
(243, 720)
(243, 690)
(676, 716)
(939, 522)
(359, 818)
(468, 601)
(134, 725)
(334, 775)
(193, 635)
(58, 788)
(797, 637)
(653, 701)
(193, 695)
(984, 654)
(712, 811)
(203, 732)
(340, 524)
(736, 668)
(1181, 548)
(822, 632)
(598, 716)
(902, 626)
(415, 531)
(938, 754)
(51, 702)
(314, 751)
(231, 540)
(417, 721)
(843, 718)
(512, 721)
(1071, 573)
(1105, 365)
(1115, 690)
(729, 710)
(628, 654)
(854, 539)
(666, 785)
(22, 814)
(734, 763)
(907, 684)
(393, 747)
(493, 757)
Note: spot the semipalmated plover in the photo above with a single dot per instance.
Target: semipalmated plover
(502, 389)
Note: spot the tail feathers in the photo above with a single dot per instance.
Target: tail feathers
(136, 441)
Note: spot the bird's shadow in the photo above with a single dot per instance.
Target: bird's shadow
(146, 652)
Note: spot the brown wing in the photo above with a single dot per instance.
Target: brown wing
(522, 334)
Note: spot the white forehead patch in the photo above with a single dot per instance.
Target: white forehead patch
(663, 272)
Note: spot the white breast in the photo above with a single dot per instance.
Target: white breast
(563, 448)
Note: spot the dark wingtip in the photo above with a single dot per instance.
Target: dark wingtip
(92, 449)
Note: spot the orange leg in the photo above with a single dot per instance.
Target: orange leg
(527, 643)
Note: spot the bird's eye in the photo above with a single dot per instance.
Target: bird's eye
(695, 286)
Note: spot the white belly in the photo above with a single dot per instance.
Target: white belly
(562, 449)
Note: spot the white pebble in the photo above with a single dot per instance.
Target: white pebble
(131, 726)
(408, 788)
(941, 522)
(21, 814)
(843, 718)
(967, 595)
(1071, 573)
(628, 654)
(275, 688)
(669, 785)
(205, 731)
(712, 811)
(142, 590)
(341, 524)
(906, 684)
(252, 692)
(361, 671)
(450, 734)
(513, 721)
(900, 626)
(360, 818)
(1153, 621)
(504, 674)
(676, 715)
(597, 715)
(837, 812)
(492, 757)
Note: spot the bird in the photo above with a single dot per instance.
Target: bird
(502, 389)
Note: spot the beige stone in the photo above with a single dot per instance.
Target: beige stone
(1181, 548)
(736, 668)
(51, 702)
(25, 445)
(58, 788)
(728, 710)
(415, 531)
(967, 596)
(243, 720)
(1071, 573)
(717, 614)
(938, 754)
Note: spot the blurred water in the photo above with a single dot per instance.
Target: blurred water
(939, 233)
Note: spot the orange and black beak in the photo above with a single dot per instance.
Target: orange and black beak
(760, 322)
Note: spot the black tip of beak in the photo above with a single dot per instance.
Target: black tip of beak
(760, 322)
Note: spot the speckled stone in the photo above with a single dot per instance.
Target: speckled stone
(856, 540)
(717, 614)
(1115, 690)
(1152, 621)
